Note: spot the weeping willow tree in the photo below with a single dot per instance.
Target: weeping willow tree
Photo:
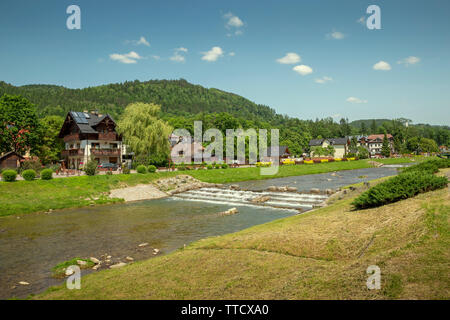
(143, 132)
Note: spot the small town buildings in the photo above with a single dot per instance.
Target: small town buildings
(283, 153)
(90, 134)
(10, 160)
(340, 145)
(374, 143)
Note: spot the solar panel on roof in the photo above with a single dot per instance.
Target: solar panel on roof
(79, 117)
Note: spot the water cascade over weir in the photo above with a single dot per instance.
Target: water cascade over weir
(276, 199)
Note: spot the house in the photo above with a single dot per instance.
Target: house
(340, 145)
(10, 160)
(180, 148)
(374, 144)
(89, 135)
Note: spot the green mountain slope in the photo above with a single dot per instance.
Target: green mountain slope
(176, 97)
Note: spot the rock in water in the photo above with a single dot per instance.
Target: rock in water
(229, 212)
(260, 199)
(315, 191)
(129, 258)
(81, 262)
(94, 260)
(24, 283)
(292, 189)
(69, 271)
(118, 265)
(143, 244)
(329, 191)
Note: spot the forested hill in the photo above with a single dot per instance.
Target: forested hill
(176, 97)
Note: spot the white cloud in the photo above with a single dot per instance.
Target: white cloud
(336, 35)
(234, 24)
(141, 40)
(232, 54)
(303, 69)
(213, 54)
(409, 61)
(355, 100)
(382, 65)
(127, 58)
(156, 57)
(290, 58)
(323, 80)
(362, 20)
(233, 21)
(177, 56)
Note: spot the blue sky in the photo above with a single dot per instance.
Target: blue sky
(238, 46)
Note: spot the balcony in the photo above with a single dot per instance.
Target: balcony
(72, 152)
(110, 136)
(106, 152)
(72, 137)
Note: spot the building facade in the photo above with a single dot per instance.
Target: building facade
(340, 145)
(90, 135)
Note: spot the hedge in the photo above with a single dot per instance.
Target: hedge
(47, 174)
(141, 169)
(29, 174)
(151, 168)
(403, 186)
(9, 175)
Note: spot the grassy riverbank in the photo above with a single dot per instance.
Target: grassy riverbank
(414, 159)
(322, 254)
(35, 196)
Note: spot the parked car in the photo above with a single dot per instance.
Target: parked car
(108, 166)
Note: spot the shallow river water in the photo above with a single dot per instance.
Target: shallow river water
(31, 244)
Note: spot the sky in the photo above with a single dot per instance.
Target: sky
(307, 59)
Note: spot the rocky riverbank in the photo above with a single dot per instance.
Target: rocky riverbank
(160, 188)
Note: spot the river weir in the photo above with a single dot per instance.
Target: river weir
(274, 199)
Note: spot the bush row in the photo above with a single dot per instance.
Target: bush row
(10, 175)
(410, 182)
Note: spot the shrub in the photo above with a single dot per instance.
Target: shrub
(91, 168)
(9, 175)
(430, 166)
(29, 174)
(151, 168)
(125, 169)
(217, 166)
(35, 165)
(141, 169)
(109, 173)
(400, 187)
(181, 168)
(224, 166)
(47, 174)
(209, 166)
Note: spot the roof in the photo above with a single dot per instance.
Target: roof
(332, 141)
(338, 141)
(379, 136)
(10, 153)
(87, 122)
(316, 142)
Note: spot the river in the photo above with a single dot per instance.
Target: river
(31, 244)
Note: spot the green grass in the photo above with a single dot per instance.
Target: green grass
(414, 159)
(322, 254)
(36, 196)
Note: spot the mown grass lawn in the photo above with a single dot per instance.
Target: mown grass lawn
(34, 196)
(322, 254)
(414, 159)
